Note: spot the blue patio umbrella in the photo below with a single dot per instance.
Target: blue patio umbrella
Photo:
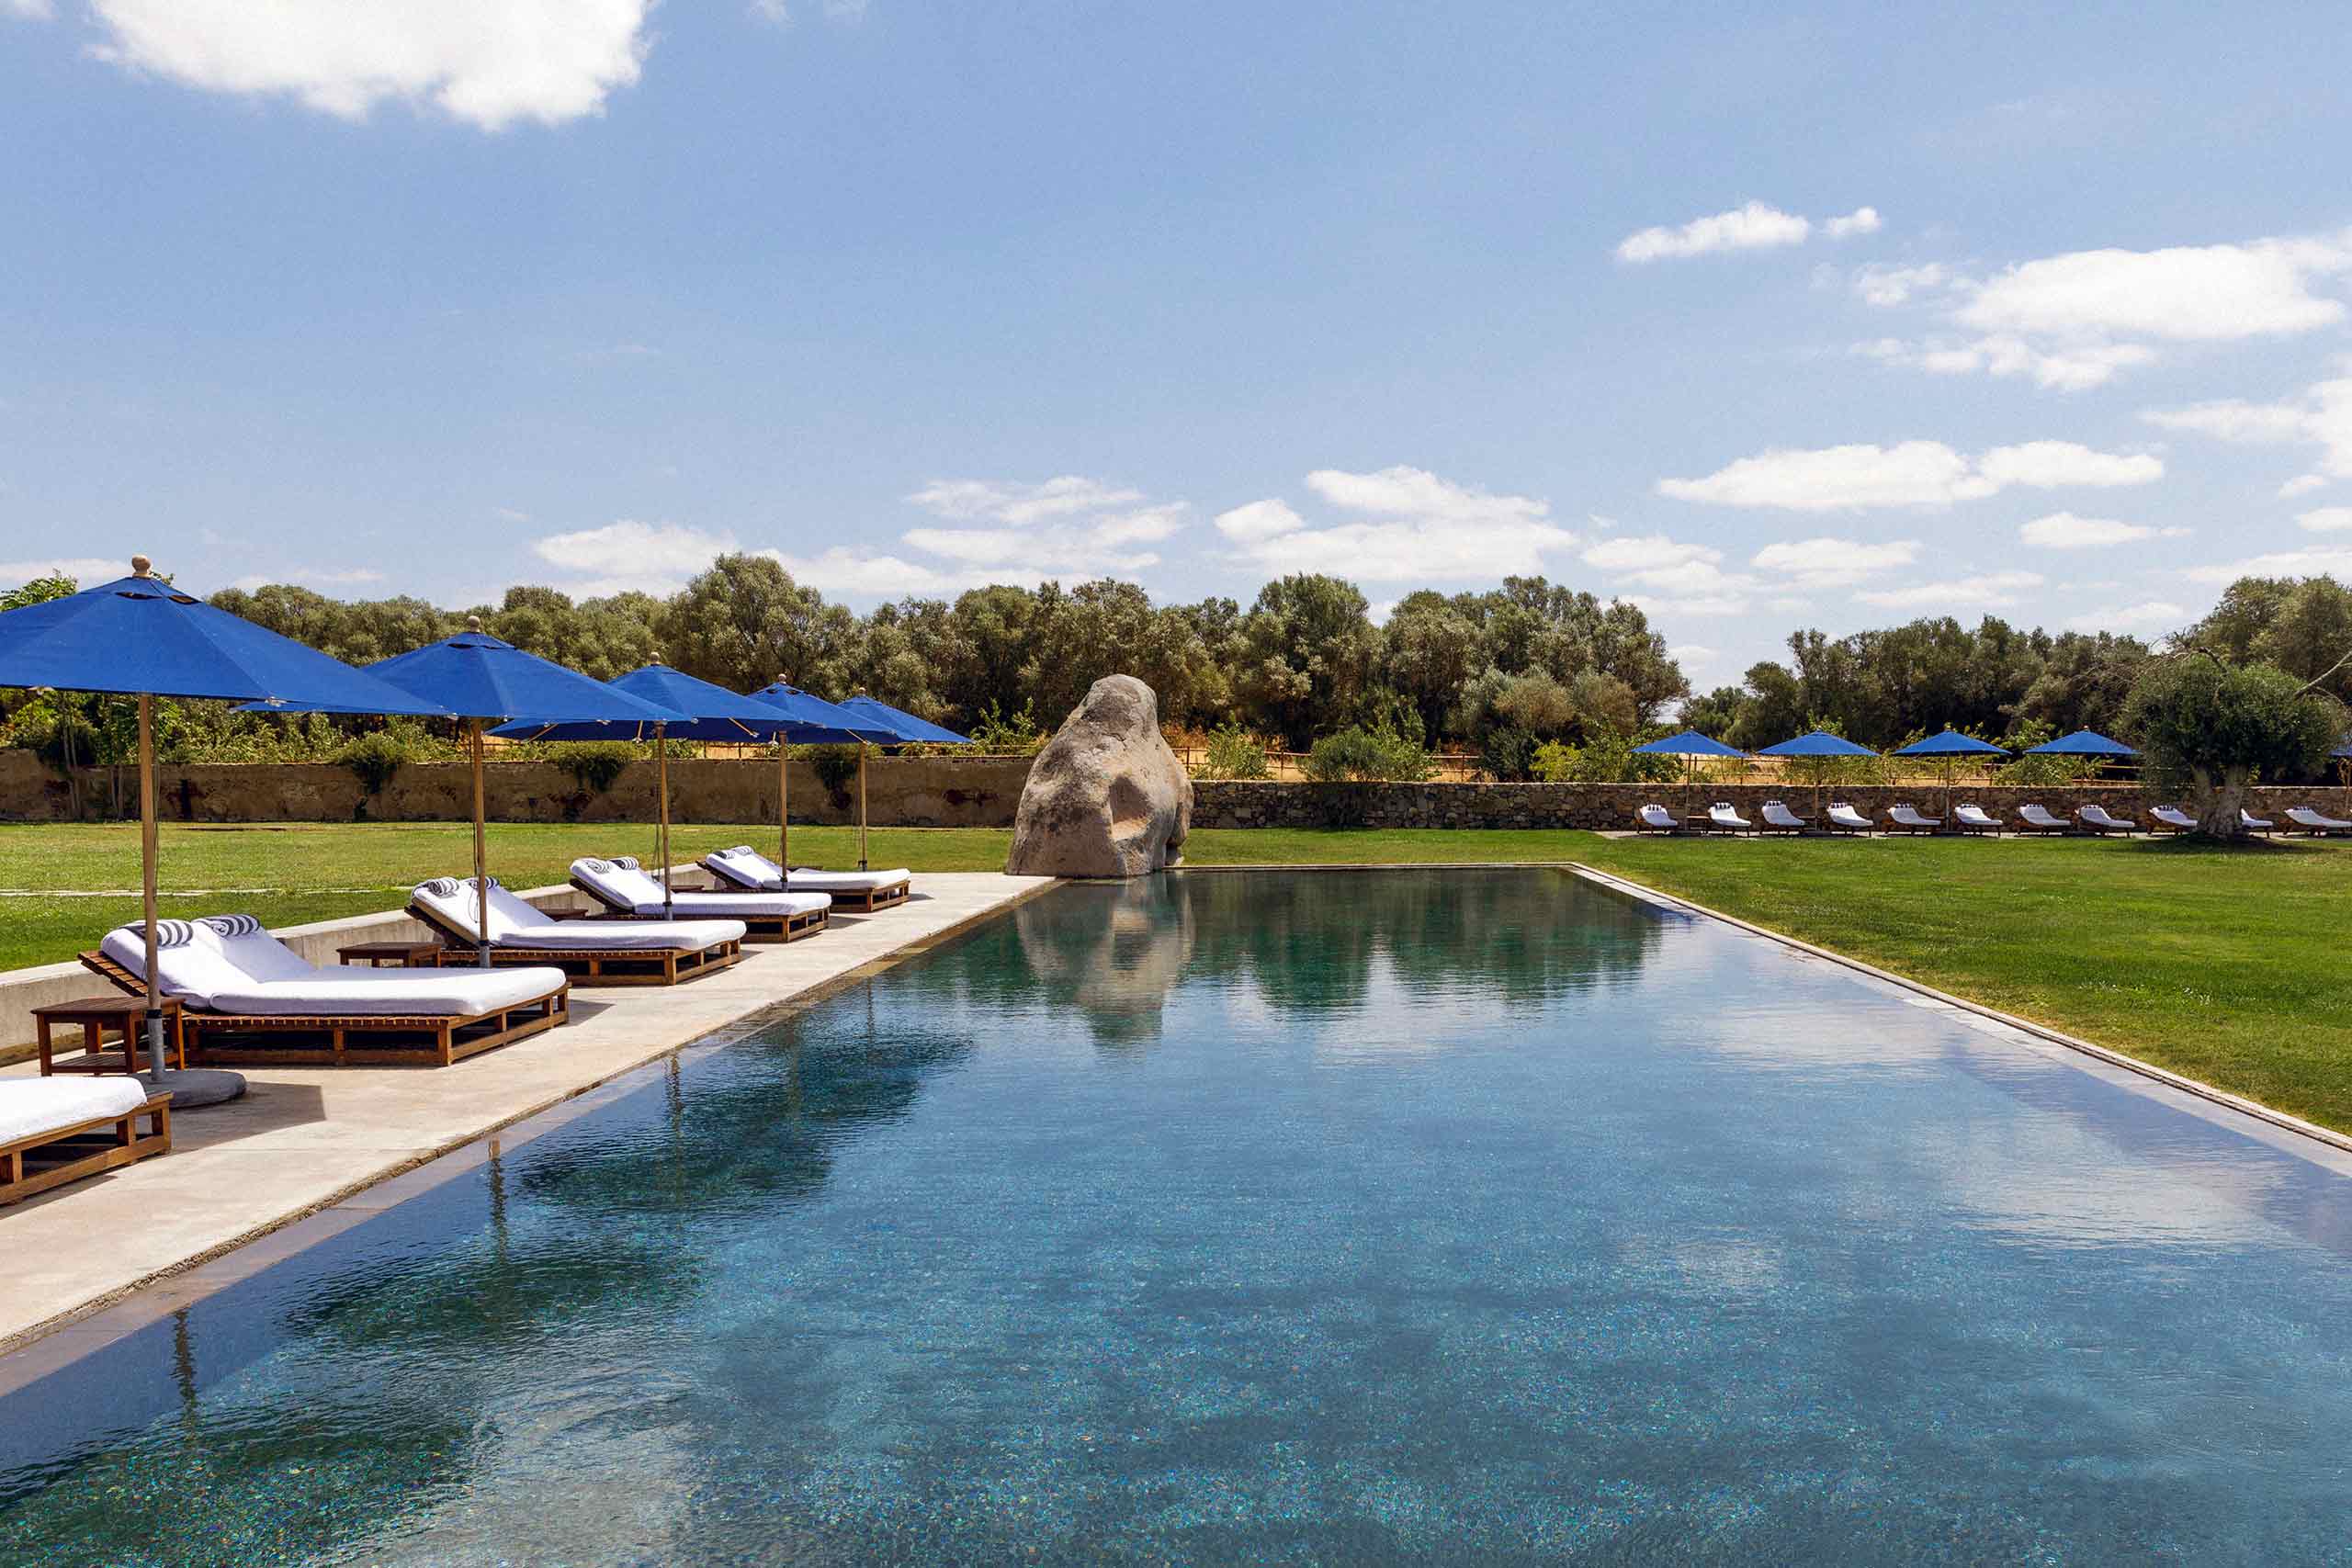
(1949, 745)
(2081, 743)
(812, 721)
(903, 726)
(479, 679)
(713, 712)
(1818, 746)
(1690, 745)
(140, 636)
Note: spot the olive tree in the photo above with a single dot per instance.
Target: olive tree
(2214, 729)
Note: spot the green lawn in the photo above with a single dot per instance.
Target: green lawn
(2226, 964)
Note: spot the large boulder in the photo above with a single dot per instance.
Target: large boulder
(1106, 797)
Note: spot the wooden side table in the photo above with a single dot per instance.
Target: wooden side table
(125, 1016)
(391, 955)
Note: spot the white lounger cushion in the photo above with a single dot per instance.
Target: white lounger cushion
(514, 923)
(624, 883)
(1910, 818)
(1845, 816)
(243, 969)
(1975, 817)
(2306, 817)
(30, 1107)
(1657, 816)
(2041, 819)
(2248, 819)
(2174, 816)
(1780, 815)
(755, 870)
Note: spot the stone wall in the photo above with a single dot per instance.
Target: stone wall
(914, 792)
(1257, 804)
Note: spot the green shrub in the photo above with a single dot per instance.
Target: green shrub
(373, 759)
(1235, 754)
(1506, 753)
(594, 765)
(1013, 735)
(1357, 753)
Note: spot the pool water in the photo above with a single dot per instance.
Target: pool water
(1401, 1216)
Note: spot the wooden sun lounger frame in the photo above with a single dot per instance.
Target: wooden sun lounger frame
(587, 965)
(83, 1148)
(1643, 824)
(1962, 825)
(854, 901)
(2057, 828)
(2101, 830)
(756, 928)
(251, 1039)
(1933, 827)
(2309, 829)
(2158, 825)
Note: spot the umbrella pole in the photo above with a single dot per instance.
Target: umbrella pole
(661, 787)
(147, 856)
(783, 807)
(482, 853)
(861, 805)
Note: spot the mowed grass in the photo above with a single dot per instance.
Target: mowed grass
(2225, 965)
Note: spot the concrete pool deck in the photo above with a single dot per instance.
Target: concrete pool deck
(305, 1138)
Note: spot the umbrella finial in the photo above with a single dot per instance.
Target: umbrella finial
(473, 623)
(140, 566)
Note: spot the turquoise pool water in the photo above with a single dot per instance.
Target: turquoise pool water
(1382, 1217)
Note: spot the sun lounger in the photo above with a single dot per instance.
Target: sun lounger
(1969, 818)
(624, 890)
(2253, 824)
(1727, 820)
(53, 1130)
(2034, 819)
(1648, 819)
(600, 953)
(2096, 818)
(1906, 819)
(247, 998)
(853, 892)
(2173, 819)
(2316, 823)
(1844, 819)
(1779, 818)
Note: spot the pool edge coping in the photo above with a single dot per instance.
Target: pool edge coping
(1626, 887)
(554, 1112)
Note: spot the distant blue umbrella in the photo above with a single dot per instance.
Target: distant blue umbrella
(1951, 743)
(479, 678)
(1689, 743)
(812, 721)
(1818, 747)
(712, 712)
(2081, 743)
(140, 636)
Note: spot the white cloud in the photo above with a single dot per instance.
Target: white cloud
(2065, 531)
(780, 11)
(2331, 560)
(2074, 321)
(2052, 465)
(1988, 591)
(510, 514)
(1862, 220)
(31, 10)
(1834, 563)
(1003, 501)
(853, 574)
(88, 571)
(2302, 484)
(630, 556)
(2326, 520)
(1419, 529)
(1888, 285)
(1912, 473)
(1752, 227)
(318, 577)
(2322, 416)
(2202, 293)
(2154, 615)
(1688, 572)
(488, 63)
(1258, 520)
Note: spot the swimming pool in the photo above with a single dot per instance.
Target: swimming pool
(1379, 1217)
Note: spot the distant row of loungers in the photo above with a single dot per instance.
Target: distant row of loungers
(1967, 820)
(241, 997)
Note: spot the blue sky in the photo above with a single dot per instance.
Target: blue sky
(1830, 316)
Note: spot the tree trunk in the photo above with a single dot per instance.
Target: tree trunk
(2220, 803)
